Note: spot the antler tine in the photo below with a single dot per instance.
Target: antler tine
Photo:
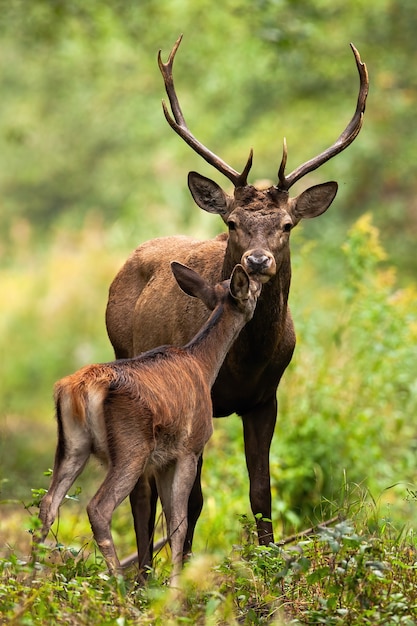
(281, 175)
(178, 124)
(166, 71)
(345, 139)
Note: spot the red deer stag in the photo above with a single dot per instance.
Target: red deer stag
(259, 223)
(147, 415)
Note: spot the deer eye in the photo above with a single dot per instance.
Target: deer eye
(287, 227)
(231, 224)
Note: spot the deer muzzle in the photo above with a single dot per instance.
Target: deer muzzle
(259, 263)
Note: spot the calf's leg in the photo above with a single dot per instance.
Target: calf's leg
(143, 501)
(70, 460)
(118, 484)
(174, 488)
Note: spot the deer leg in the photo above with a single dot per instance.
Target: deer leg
(195, 505)
(70, 460)
(164, 482)
(143, 504)
(258, 429)
(117, 485)
(143, 500)
(174, 488)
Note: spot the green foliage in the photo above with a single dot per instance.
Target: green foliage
(348, 407)
(51, 322)
(340, 574)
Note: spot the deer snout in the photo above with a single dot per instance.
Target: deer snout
(260, 263)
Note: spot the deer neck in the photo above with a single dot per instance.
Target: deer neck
(271, 310)
(272, 303)
(265, 330)
(213, 341)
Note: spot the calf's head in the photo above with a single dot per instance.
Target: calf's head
(242, 290)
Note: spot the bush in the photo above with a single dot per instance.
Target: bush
(348, 406)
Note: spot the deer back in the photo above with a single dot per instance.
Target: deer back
(146, 308)
(139, 403)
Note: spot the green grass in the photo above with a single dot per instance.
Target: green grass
(353, 571)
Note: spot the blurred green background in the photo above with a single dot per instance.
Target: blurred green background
(89, 168)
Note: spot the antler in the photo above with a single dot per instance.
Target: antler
(178, 124)
(349, 134)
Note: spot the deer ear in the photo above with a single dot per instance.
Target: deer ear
(208, 195)
(314, 201)
(193, 284)
(239, 283)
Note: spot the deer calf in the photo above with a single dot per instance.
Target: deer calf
(151, 414)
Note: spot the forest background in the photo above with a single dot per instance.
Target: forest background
(89, 169)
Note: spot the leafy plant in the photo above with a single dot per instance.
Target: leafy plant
(348, 405)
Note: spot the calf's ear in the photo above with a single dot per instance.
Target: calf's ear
(193, 284)
(239, 283)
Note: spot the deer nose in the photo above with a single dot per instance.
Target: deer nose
(258, 262)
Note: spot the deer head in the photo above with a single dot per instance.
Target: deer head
(260, 221)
